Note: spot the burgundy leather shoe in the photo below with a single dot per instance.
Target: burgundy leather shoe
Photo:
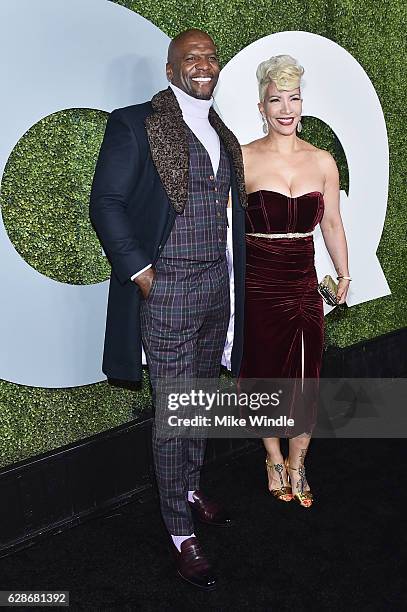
(193, 566)
(209, 511)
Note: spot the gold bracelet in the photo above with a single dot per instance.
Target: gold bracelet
(344, 277)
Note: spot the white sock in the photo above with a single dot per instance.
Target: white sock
(179, 539)
(190, 496)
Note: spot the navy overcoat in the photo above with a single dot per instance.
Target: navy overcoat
(140, 185)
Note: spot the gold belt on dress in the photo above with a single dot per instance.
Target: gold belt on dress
(288, 235)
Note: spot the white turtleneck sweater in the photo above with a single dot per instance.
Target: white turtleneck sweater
(195, 114)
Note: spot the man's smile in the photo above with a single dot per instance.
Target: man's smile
(202, 79)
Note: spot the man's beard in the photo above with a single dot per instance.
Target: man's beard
(202, 96)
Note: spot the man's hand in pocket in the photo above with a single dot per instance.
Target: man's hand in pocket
(145, 281)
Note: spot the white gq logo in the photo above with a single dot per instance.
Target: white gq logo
(52, 333)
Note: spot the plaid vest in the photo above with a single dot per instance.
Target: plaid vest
(199, 233)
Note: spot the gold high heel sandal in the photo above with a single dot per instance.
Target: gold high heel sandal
(284, 493)
(304, 498)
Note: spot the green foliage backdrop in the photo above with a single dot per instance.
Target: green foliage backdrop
(45, 192)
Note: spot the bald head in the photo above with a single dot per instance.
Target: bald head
(192, 63)
(177, 42)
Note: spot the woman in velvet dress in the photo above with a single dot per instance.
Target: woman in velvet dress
(292, 187)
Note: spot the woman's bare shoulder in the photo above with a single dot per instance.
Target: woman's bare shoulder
(251, 149)
(322, 154)
(325, 159)
(253, 146)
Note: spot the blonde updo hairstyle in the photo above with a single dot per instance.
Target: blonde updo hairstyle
(283, 70)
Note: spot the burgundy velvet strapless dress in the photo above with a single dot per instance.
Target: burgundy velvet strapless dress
(284, 318)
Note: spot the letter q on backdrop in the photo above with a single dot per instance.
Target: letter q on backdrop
(333, 80)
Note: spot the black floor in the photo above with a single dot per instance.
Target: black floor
(348, 552)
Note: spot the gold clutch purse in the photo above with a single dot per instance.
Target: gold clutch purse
(328, 288)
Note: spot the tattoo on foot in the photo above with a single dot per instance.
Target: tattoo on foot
(303, 452)
(302, 481)
(279, 468)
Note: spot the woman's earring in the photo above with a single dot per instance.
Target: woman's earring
(265, 125)
(299, 126)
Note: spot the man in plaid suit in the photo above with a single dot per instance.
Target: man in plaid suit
(159, 205)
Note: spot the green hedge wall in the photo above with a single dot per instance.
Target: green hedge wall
(46, 212)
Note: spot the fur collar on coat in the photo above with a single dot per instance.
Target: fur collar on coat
(169, 148)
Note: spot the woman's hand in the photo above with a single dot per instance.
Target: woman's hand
(342, 290)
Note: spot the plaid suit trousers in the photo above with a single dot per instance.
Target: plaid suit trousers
(184, 323)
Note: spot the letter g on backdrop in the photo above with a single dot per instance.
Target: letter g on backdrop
(52, 332)
(55, 55)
